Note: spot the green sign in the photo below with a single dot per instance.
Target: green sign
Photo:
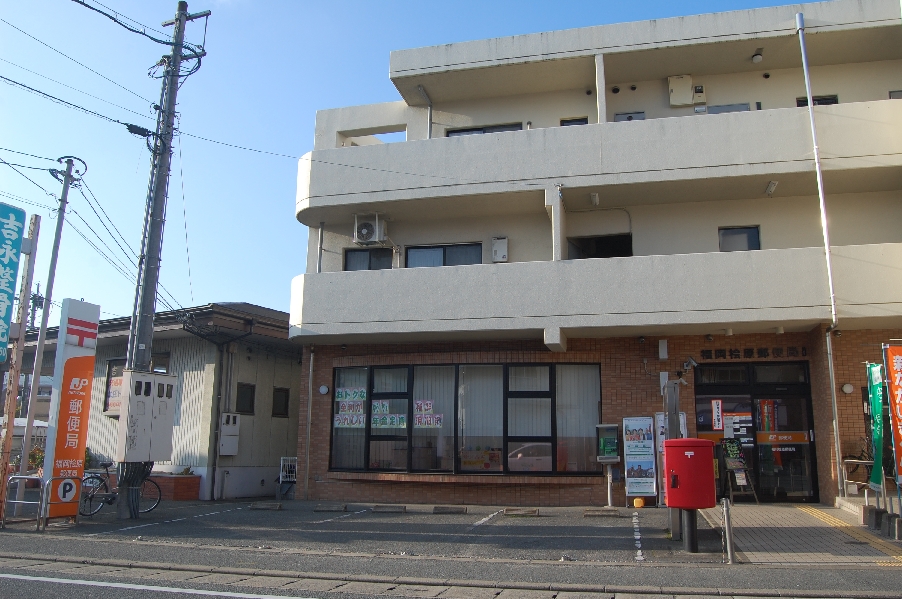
(12, 229)
(875, 394)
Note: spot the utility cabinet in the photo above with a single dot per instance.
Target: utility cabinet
(229, 424)
(681, 91)
(146, 417)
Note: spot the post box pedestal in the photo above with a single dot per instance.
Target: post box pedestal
(690, 531)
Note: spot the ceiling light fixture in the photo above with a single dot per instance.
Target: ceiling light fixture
(771, 188)
(758, 56)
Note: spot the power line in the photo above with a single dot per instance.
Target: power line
(115, 18)
(15, 198)
(99, 205)
(76, 62)
(222, 143)
(75, 89)
(58, 100)
(122, 16)
(27, 177)
(27, 154)
(37, 168)
(185, 220)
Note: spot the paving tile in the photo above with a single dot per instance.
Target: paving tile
(265, 582)
(367, 588)
(315, 584)
(526, 594)
(134, 572)
(417, 590)
(219, 578)
(175, 575)
(21, 563)
(469, 593)
(98, 569)
(571, 595)
(53, 567)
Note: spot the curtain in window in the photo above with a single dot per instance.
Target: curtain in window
(417, 257)
(349, 418)
(480, 417)
(578, 395)
(433, 418)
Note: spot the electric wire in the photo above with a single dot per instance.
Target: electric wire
(115, 18)
(27, 177)
(75, 61)
(27, 154)
(115, 228)
(9, 81)
(122, 16)
(76, 89)
(16, 198)
(185, 220)
(37, 168)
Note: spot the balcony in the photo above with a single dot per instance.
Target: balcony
(679, 294)
(717, 157)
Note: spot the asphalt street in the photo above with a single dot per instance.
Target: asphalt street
(560, 546)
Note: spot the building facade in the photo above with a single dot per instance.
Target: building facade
(572, 214)
(230, 359)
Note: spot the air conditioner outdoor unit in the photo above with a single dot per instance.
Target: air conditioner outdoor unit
(369, 229)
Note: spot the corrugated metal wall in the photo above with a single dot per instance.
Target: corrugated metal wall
(192, 360)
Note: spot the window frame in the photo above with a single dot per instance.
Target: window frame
(507, 394)
(369, 259)
(444, 247)
(740, 227)
(287, 402)
(253, 398)
(832, 100)
(574, 121)
(571, 241)
(484, 129)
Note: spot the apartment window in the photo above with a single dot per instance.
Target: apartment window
(895, 95)
(739, 239)
(604, 246)
(369, 259)
(159, 363)
(584, 120)
(722, 108)
(473, 418)
(280, 402)
(621, 117)
(444, 255)
(244, 399)
(818, 101)
(486, 129)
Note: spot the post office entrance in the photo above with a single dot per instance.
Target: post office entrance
(767, 406)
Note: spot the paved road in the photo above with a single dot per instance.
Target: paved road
(394, 551)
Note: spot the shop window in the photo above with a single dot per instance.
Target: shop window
(604, 246)
(739, 239)
(444, 255)
(721, 375)
(349, 415)
(578, 121)
(577, 400)
(280, 402)
(480, 418)
(780, 373)
(369, 259)
(432, 443)
(818, 101)
(487, 129)
(244, 399)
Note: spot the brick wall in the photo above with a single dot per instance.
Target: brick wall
(627, 390)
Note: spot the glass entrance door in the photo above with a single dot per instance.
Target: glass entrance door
(784, 449)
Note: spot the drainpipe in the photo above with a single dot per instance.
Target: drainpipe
(309, 416)
(319, 252)
(800, 27)
(428, 111)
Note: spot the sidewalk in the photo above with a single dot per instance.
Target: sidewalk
(805, 534)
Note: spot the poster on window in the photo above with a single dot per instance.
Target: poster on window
(639, 455)
(661, 429)
(352, 394)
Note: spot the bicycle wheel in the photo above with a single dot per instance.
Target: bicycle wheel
(150, 496)
(854, 467)
(94, 492)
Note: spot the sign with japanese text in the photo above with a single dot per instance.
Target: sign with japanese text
(389, 421)
(112, 402)
(894, 382)
(875, 395)
(350, 407)
(12, 227)
(428, 420)
(70, 405)
(356, 394)
(717, 414)
(639, 456)
(349, 421)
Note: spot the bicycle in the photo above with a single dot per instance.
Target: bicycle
(96, 492)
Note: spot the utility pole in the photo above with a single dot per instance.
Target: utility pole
(36, 301)
(68, 179)
(140, 343)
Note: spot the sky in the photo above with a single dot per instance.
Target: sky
(231, 234)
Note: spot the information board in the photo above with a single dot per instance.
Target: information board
(639, 456)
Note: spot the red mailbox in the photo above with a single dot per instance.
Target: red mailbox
(689, 473)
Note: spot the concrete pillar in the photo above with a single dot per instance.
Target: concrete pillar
(554, 205)
(600, 95)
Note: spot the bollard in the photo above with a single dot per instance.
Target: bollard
(875, 516)
(728, 531)
(888, 525)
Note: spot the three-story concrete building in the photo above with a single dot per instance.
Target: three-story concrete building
(571, 214)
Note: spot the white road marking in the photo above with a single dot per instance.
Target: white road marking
(139, 587)
(484, 520)
(163, 522)
(640, 557)
(340, 517)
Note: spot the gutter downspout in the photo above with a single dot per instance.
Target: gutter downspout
(800, 27)
(428, 111)
(309, 416)
(319, 252)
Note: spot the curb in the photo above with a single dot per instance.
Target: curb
(525, 586)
